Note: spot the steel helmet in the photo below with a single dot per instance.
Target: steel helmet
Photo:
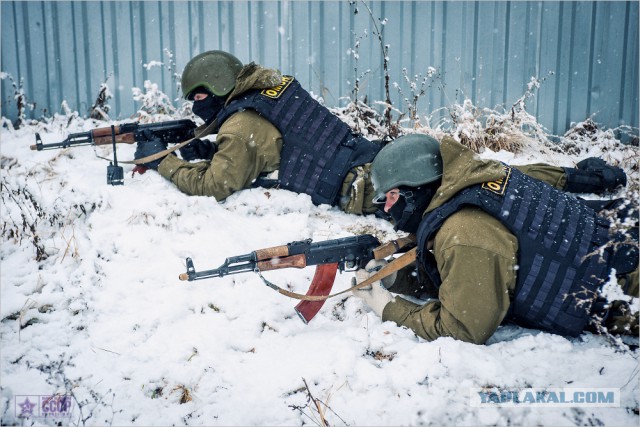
(411, 160)
(213, 70)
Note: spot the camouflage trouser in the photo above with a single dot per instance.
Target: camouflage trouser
(356, 194)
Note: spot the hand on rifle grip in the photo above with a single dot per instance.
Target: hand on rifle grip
(152, 145)
(372, 268)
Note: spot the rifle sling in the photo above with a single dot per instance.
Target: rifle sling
(394, 246)
(395, 265)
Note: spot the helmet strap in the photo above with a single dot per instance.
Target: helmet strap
(407, 211)
(409, 207)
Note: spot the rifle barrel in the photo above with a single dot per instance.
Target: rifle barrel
(196, 275)
(83, 138)
(224, 270)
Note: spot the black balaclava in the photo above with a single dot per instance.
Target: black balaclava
(407, 211)
(207, 109)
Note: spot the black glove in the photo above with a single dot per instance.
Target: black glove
(594, 175)
(198, 149)
(152, 145)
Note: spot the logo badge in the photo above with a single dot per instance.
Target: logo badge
(499, 185)
(276, 91)
(54, 406)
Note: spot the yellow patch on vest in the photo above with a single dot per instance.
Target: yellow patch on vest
(499, 185)
(276, 91)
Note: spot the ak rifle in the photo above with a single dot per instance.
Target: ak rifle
(128, 133)
(344, 254)
(167, 132)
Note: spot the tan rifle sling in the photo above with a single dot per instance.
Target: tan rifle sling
(395, 265)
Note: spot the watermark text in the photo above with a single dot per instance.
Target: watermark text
(43, 406)
(545, 397)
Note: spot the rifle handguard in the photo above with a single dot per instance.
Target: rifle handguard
(294, 261)
(127, 138)
(275, 252)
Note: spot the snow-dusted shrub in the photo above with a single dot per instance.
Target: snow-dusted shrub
(22, 216)
(154, 103)
(100, 108)
(20, 98)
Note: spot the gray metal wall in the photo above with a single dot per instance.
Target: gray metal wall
(486, 51)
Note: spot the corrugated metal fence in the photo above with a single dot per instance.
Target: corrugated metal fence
(485, 51)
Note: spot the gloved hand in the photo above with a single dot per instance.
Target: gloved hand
(372, 268)
(376, 295)
(198, 149)
(151, 146)
(594, 175)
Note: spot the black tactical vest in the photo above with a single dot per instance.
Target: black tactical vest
(560, 266)
(318, 149)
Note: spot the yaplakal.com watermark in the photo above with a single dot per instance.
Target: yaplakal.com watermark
(545, 397)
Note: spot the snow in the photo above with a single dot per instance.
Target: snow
(105, 318)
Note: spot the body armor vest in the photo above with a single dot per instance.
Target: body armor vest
(560, 264)
(318, 148)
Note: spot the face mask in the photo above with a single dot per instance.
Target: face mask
(404, 219)
(207, 109)
(407, 211)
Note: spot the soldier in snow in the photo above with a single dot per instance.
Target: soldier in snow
(266, 121)
(495, 245)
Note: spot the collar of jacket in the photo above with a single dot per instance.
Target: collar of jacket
(462, 168)
(254, 77)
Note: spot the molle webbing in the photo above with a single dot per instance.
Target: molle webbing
(303, 116)
(559, 266)
(318, 149)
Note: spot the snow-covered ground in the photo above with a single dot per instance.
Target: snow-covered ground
(103, 317)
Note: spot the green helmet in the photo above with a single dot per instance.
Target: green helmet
(411, 160)
(213, 70)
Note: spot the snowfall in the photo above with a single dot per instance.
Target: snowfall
(92, 308)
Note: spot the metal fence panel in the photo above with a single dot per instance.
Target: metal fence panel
(486, 51)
